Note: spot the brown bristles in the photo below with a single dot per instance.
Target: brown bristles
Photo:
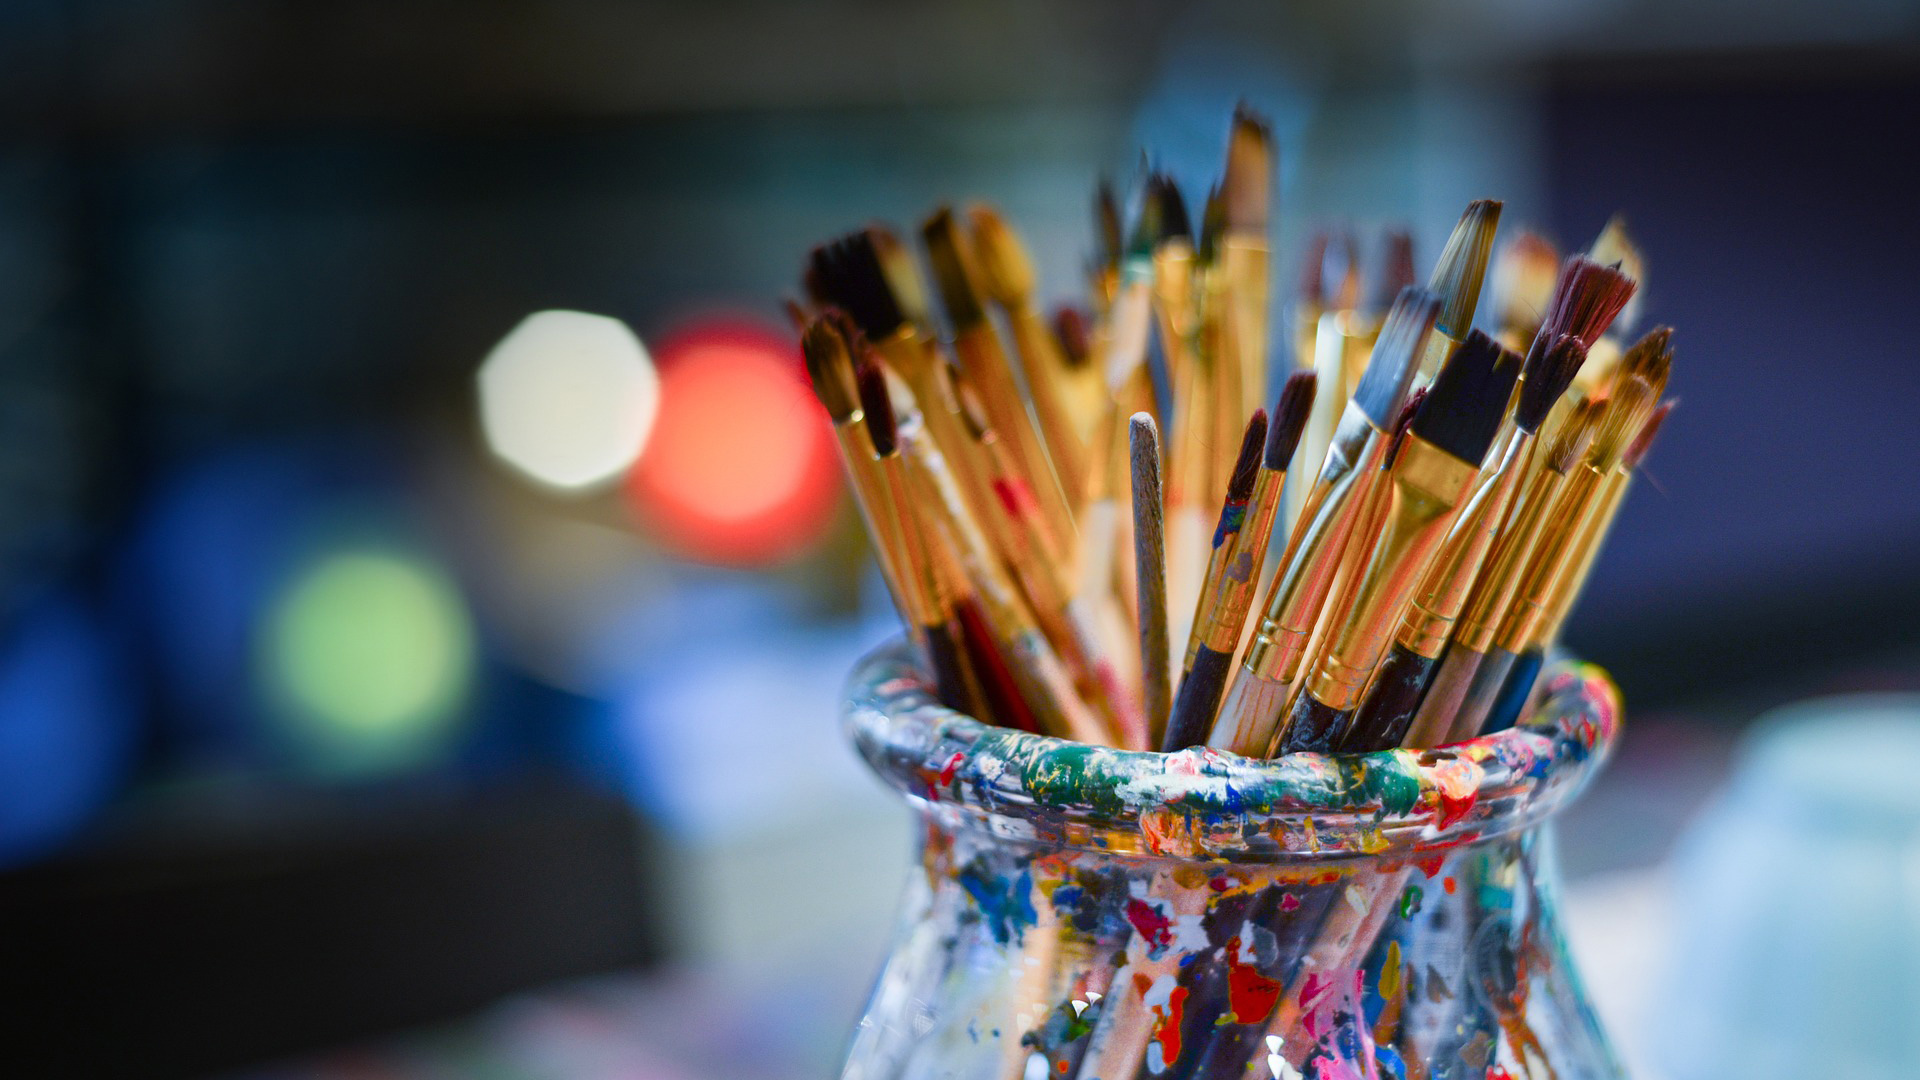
(796, 314)
(1107, 225)
(1006, 269)
(1396, 269)
(1627, 409)
(877, 408)
(1550, 370)
(1070, 328)
(1313, 269)
(1463, 267)
(1585, 300)
(1650, 358)
(952, 269)
(1289, 420)
(1613, 247)
(1248, 188)
(830, 367)
(1213, 225)
(1643, 442)
(1574, 435)
(1247, 465)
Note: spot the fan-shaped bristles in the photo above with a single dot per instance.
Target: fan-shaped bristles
(847, 274)
(1395, 355)
(830, 367)
(1396, 269)
(1248, 188)
(1463, 266)
(1006, 268)
(1468, 398)
(1524, 272)
(1246, 466)
(1574, 435)
(878, 409)
(1549, 371)
(1643, 442)
(1650, 358)
(1613, 247)
(1626, 412)
(1289, 419)
(1585, 300)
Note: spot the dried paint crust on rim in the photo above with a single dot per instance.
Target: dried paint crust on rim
(1218, 805)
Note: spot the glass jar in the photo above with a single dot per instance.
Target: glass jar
(1085, 913)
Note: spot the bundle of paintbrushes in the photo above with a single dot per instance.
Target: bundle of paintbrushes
(1076, 514)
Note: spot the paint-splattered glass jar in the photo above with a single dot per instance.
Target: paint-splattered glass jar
(1105, 915)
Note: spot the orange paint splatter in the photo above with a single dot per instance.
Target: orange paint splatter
(1449, 884)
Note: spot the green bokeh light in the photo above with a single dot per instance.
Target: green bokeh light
(371, 652)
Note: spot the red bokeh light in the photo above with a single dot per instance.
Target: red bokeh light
(740, 468)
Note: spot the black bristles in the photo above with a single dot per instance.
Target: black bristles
(1550, 370)
(877, 408)
(1586, 299)
(1247, 465)
(1468, 398)
(1106, 212)
(1396, 355)
(847, 274)
(1146, 225)
(1463, 266)
(1289, 419)
(1174, 224)
(1213, 224)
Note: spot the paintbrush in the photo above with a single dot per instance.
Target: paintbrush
(1190, 443)
(1006, 270)
(1107, 228)
(1456, 280)
(1586, 298)
(1401, 682)
(1327, 284)
(1246, 195)
(1614, 247)
(1261, 686)
(1431, 471)
(1150, 560)
(977, 348)
(1185, 728)
(1473, 633)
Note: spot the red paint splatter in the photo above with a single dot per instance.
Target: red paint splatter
(1166, 1025)
(1498, 1073)
(1431, 866)
(1449, 884)
(1220, 884)
(1151, 925)
(1015, 496)
(1063, 1066)
(952, 767)
(1289, 902)
(1250, 994)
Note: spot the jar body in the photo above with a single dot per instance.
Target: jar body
(1391, 916)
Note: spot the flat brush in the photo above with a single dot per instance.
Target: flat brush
(1150, 562)
(1006, 270)
(1431, 471)
(1402, 680)
(1456, 279)
(1262, 683)
(977, 348)
(1434, 722)
(1186, 728)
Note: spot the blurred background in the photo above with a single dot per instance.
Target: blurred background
(382, 697)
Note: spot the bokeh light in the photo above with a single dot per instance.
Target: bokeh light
(741, 466)
(568, 398)
(371, 653)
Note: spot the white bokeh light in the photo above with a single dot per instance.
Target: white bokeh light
(569, 398)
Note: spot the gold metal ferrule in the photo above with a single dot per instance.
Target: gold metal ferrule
(1423, 491)
(1247, 261)
(1579, 505)
(1590, 541)
(1494, 592)
(1443, 593)
(1233, 571)
(1313, 554)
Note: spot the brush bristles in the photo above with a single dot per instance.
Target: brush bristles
(1396, 354)
(1146, 225)
(1650, 358)
(1463, 266)
(1107, 222)
(1313, 269)
(1468, 398)
(1070, 329)
(902, 276)
(1341, 271)
(847, 274)
(1396, 269)
(952, 269)
(878, 409)
(1289, 420)
(1550, 370)
(1213, 224)
(1643, 442)
(1613, 247)
(1174, 224)
(1006, 268)
(1627, 409)
(1586, 299)
(1247, 465)
(829, 363)
(1248, 189)
(1524, 273)
(1574, 435)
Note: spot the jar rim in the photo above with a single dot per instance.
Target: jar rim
(1210, 803)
